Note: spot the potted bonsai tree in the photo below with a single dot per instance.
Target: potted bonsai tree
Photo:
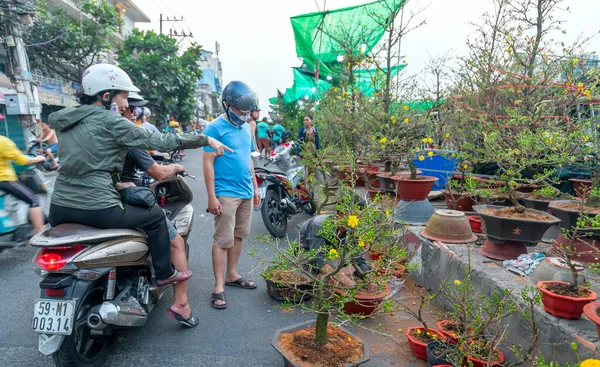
(338, 278)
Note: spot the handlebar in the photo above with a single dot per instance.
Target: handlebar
(185, 174)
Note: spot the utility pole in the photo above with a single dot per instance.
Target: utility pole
(168, 20)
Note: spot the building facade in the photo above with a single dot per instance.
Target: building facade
(209, 87)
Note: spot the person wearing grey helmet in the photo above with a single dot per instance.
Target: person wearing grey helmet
(231, 187)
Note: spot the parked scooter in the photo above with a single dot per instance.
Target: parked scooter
(282, 189)
(15, 228)
(98, 281)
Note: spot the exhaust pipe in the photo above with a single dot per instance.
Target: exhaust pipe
(94, 321)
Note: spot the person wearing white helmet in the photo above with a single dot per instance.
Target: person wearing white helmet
(94, 141)
(146, 119)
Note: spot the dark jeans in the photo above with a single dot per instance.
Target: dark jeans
(152, 220)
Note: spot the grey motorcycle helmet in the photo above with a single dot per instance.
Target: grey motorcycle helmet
(239, 95)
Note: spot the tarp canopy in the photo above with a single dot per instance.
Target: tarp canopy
(321, 36)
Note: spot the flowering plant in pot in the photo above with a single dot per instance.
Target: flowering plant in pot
(329, 254)
(540, 198)
(462, 194)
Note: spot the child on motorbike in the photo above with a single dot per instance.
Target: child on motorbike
(9, 183)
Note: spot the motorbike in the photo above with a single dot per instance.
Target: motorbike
(97, 282)
(15, 228)
(37, 148)
(282, 189)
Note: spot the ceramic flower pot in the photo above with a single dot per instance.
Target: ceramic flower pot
(419, 349)
(536, 204)
(475, 223)
(365, 303)
(563, 306)
(458, 201)
(581, 187)
(413, 212)
(507, 238)
(449, 226)
(415, 190)
(475, 362)
(452, 338)
(568, 217)
(436, 352)
(591, 310)
(555, 269)
(290, 361)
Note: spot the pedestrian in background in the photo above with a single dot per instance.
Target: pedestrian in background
(262, 131)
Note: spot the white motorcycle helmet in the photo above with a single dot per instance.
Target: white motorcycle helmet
(106, 77)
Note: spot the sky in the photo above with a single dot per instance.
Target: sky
(257, 42)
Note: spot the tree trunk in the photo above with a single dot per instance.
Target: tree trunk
(321, 328)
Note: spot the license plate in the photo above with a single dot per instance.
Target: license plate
(53, 317)
(263, 192)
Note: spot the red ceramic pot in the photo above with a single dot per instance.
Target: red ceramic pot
(475, 222)
(563, 306)
(365, 303)
(420, 349)
(372, 193)
(456, 201)
(591, 311)
(415, 190)
(479, 363)
(371, 179)
(581, 187)
(452, 339)
(374, 255)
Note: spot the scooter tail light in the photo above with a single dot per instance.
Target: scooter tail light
(259, 180)
(55, 292)
(55, 258)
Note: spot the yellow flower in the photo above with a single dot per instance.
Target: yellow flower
(372, 138)
(590, 363)
(406, 120)
(580, 85)
(353, 131)
(429, 140)
(453, 155)
(387, 212)
(393, 119)
(352, 221)
(361, 243)
(418, 331)
(399, 329)
(349, 339)
(430, 154)
(424, 140)
(575, 62)
(447, 135)
(457, 282)
(586, 138)
(421, 158)
(383, 140)
(465, 166)
(405, 108)
(339, 97)
(333, 254)
(587, 93)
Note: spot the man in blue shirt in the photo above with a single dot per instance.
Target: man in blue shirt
(278, 131)
(232, 188)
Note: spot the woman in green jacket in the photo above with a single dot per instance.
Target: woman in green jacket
(94, 139)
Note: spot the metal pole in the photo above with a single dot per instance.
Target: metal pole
(161, 24)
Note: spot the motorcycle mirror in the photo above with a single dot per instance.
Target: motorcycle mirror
(255, 154)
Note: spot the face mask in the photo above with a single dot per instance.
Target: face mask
(238, 120)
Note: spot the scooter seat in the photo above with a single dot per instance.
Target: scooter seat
(71, 229)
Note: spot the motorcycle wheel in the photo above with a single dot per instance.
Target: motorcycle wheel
(79, 349)
(274, 218)
(310, 208)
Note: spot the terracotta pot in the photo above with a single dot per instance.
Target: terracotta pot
(453, 339)
(398, 272)
(288, 358)
(364, 303)
(415, 190)
(475, 223)
(457, 201)
(563, 306)
(420, 349)
(581, 187)
(371, 179)
(449, 226)
(591, 311)
(479, 363)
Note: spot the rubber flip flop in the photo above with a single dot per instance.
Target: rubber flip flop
(218, 297)
(189, 322)
(241, 283)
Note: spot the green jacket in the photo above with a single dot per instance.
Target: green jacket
(93, 145)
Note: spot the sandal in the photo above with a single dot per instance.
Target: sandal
(241, 283)
(218, 297)
(189, 322)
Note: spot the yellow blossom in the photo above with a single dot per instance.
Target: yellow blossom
(424, 140)
(453, 155)
(430, 154)
(447, 135)
(457, 282)
(361, 243)
(421, 158)
(353, 131)
(575, 61)
(465, 166)
(587, 93)
(406, 120)
(372, 138)
(387, 212)
(405, 108)
(586, 138)
(580, 85)
(352, 221)
(349, 339)
(590, 363)
(339, 97)
(332, 254)
(429, 140)
(399, 329)
(383, 140)
(393, 119)
(419, 331)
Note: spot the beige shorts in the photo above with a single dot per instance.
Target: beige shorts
(234, 221)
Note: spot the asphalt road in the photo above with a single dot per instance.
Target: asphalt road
(237, 336)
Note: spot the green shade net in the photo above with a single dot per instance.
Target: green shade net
(370, 80)
(319, 36)
(304, 85)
